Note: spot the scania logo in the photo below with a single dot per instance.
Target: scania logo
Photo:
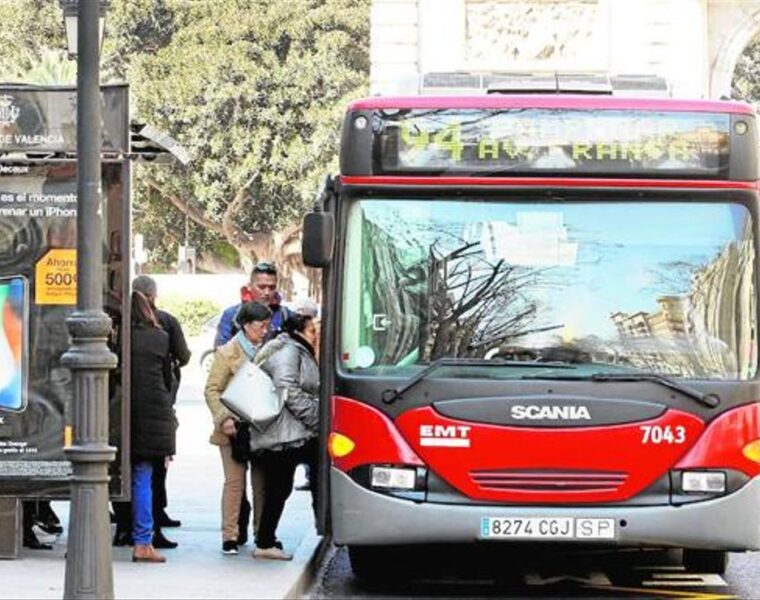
(551, 413)
(8, 112)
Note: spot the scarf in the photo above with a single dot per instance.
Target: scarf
(246, 345)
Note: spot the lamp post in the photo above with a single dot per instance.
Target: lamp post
(88, 561)
(71, 22)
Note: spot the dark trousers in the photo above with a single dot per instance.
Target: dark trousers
(123, 513)
(159, 486)
(244, 516)
(279, 468)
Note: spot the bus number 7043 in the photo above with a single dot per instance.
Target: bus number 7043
(657, 434)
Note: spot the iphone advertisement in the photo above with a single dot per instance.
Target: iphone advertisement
(38, 283)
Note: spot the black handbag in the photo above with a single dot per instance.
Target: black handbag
(241, 442)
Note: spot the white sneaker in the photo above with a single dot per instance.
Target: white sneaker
(229, 548)
(272, 553)
(43, 536)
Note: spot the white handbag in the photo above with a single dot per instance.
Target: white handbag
(251, 395)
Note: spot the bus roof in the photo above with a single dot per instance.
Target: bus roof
(551, 101)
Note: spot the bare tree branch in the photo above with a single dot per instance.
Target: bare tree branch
(194, 212)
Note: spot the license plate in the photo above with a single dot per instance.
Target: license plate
(554, 528)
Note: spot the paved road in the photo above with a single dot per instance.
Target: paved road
(456, 573)
(197, 568)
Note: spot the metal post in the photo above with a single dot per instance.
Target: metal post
(88, 563)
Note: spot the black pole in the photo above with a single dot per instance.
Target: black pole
(88, 560)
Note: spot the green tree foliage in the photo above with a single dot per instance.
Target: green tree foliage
(745, 84)
(255, 90)
(29, 31)
(191, 313)
(135, 27)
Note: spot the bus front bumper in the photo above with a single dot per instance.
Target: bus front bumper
(363, 517)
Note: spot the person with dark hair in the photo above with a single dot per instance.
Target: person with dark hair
(254, 319)
(291, 439)
(153, 425)
(179, 352)
(262, 287)
(179, 356)
(307, 306)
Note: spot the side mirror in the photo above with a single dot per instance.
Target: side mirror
(318, 239)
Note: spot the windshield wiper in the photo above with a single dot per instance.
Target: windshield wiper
(709, 400)
(390, 395)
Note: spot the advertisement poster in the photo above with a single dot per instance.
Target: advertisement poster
(38, 275)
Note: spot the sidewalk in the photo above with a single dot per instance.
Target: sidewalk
(196, 569)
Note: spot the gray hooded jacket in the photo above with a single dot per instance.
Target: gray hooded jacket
(295, 374)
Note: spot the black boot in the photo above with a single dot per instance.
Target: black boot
(122, 538)
(164, 520)
(160, 541)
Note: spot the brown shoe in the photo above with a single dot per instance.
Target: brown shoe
(272, 553)
(146, 553)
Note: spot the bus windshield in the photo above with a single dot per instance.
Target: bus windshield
(606, 286)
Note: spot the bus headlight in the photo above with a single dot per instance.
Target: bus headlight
(339, 445)
(393, 478)
(752, 451)
(709, 482)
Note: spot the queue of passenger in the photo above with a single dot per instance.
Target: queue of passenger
(282, 343)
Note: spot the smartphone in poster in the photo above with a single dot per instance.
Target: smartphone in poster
(14, 309)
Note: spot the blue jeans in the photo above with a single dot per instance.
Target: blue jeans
(142, 502)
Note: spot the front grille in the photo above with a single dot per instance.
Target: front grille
(510, 480)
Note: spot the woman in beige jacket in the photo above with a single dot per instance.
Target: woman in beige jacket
(253, 319)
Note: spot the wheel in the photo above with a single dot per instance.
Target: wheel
(705, 561)
(366, 564)
(376, 566)
(206, 360)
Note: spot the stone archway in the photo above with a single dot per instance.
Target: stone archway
(733, 25)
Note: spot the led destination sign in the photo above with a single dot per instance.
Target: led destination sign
(515, 141)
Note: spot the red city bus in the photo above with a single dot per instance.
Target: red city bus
(540, 325)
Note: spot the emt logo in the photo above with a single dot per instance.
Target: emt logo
(450, 436)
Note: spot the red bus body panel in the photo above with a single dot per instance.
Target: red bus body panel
(377, 439)
(547, 182)
(547, 465)
(722, 444)
(550, 465)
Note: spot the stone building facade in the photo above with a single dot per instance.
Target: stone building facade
(692, 44)
(710, 329)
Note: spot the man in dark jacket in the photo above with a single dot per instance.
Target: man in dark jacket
(262, 287)
(179, 355)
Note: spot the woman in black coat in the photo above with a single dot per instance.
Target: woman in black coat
(153, 425)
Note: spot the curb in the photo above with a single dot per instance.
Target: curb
(318, 547)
